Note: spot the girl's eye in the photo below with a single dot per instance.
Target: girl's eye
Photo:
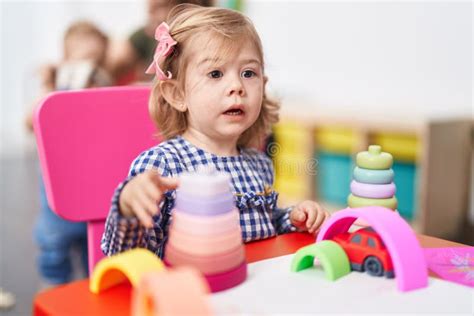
(248, 74)
(215, 74)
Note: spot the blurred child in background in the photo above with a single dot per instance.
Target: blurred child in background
(128, 60)
(85, 47)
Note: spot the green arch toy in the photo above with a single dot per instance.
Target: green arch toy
(332, 257)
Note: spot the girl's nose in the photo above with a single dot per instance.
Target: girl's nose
(236, 87)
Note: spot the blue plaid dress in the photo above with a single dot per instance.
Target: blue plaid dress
(252, 177)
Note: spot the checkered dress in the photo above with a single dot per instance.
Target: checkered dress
(251, 174)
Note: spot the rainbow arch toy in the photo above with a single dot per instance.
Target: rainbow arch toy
(129, 265)
(181, 291)
(156, 290)
(409, 263)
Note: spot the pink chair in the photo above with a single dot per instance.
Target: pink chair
(86, 142)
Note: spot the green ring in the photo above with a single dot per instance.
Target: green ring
(373, 176)
(374, 159)
(355, 201)
(332, 257)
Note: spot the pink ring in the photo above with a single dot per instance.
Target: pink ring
(373, 191)
(205, 246)
(205, 225)
(227, 280)
(207, 265)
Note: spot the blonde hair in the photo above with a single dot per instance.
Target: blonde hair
(187, 22)
(85, 28)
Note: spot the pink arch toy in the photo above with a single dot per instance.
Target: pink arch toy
(407, 255)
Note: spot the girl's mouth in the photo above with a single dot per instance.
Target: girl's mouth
(234, 112)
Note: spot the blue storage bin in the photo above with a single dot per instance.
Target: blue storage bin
(405, 180)
(334, 174)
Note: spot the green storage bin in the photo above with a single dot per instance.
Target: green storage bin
(334, 174)
(405, 180)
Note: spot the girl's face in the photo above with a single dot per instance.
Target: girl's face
(224, 96)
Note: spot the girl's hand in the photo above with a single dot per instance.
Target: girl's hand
(308, 216)
(140, 197)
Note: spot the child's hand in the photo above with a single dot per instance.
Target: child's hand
(308, 216)
(47, 74)
(140, 196)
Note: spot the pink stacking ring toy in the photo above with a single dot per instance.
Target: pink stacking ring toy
(216, 205)
(204, 225)
(373, 191)
(208, 265)
(204, 246)
(227, 280)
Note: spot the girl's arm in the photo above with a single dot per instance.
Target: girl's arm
(281, 220)
(121, 233)
(127, 232)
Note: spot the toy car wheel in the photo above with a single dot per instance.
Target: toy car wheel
(373, 266)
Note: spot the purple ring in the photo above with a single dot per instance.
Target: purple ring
(216, 205)
(373, 191)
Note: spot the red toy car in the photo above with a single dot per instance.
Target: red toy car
(366, 252)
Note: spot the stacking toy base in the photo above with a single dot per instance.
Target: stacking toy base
(227, 280)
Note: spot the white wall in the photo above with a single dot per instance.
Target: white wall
(406, 59)
(31, 34)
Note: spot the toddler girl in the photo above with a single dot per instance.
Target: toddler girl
(209, 103)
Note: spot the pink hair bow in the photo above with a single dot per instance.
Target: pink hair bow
(163, 49)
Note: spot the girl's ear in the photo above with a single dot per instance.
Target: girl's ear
(172, 93)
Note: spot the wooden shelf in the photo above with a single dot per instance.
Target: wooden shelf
(443, 163)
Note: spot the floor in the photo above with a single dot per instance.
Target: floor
(18, 210)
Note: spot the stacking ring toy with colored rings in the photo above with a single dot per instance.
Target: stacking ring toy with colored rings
(355, 202)
(205, 246)
(206, 264)
(373, 191)
(373, 176)
(204, 225)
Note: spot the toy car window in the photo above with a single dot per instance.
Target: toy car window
(371, 242)
(356, 239)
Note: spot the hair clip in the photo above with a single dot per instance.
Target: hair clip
(163, 49)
